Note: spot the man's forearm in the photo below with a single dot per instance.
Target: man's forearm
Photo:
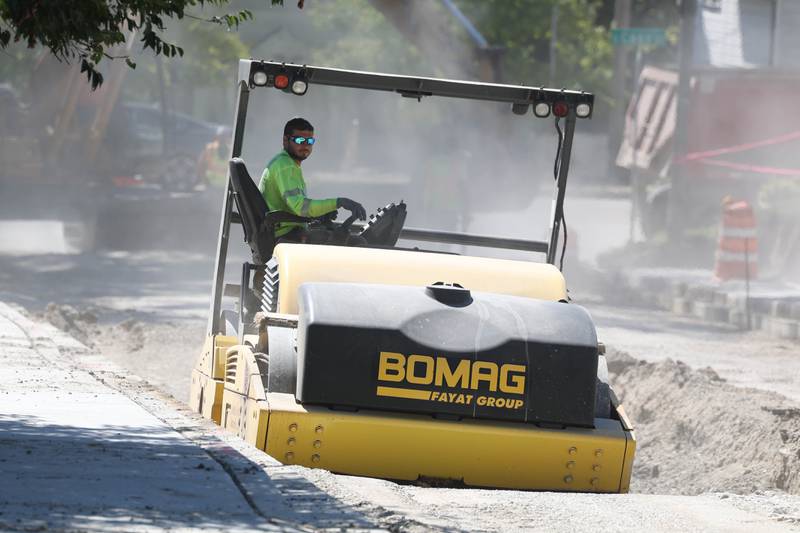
(306, 207)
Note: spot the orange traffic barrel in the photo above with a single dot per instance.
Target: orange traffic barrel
(737, 249)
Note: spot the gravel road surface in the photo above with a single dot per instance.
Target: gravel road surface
(717, 411)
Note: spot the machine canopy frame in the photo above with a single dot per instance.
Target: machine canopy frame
(257, 74)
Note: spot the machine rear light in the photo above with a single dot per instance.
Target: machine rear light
(583, 110)
(260, 78)
(541, 110)
(281, 81)
(560, 109)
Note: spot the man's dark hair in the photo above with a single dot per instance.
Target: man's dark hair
(298, 124)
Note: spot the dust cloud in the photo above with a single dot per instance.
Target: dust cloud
(733, 140)
(459, 165)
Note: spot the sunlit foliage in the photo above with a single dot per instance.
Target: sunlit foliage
(89, 31)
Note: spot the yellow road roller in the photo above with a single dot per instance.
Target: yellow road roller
(368, 358)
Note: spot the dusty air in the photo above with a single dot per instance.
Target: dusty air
(360, 264)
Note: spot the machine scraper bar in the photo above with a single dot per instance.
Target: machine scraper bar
(446, 237)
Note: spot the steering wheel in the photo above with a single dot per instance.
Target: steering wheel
(345, 226)
(383, 228)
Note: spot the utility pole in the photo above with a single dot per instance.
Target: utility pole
(622, 19)
(678, 197)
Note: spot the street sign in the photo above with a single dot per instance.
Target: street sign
(638, 36)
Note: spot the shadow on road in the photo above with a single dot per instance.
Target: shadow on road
(131, 478)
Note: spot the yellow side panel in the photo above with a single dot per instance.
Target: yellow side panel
(213, 409)
(238, 360)
(196, 394)
(221, 345)
(232, 411)
(256, 417)
(205, 391)
(627, 467)
(212, 359)
(205, 363)
(484, 454)
(244, 409)
(205, 396)
(245, 417)
(257, 413)
(299, 263)
(631, 449)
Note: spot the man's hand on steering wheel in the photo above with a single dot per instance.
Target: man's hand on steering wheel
(354, 207)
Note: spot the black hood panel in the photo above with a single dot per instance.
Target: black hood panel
(445, 352)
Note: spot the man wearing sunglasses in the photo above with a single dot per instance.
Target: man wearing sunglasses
(284, 189)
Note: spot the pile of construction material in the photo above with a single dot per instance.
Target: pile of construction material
(771, 306)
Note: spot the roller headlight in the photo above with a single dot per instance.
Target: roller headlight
(299, 87)
(260, 78)
(541, 110)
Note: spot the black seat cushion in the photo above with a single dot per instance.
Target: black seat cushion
(257, 222)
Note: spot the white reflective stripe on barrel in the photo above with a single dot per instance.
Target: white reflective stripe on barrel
(736, 257)
(738, 233)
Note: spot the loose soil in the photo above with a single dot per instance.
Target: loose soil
(163, 353)
(695, 432)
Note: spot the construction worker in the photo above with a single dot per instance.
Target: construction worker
(212, 165)
(284, 189)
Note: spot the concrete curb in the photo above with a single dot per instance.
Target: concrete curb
(774, 308)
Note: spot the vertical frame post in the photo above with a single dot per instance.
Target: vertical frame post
(561, 185)
(227, 207)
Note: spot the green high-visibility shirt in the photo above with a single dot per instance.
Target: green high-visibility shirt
(284, 189)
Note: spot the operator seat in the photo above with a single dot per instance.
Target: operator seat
(258, 224)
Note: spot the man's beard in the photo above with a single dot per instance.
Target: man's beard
(294, 154)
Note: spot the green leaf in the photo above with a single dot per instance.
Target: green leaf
(91, 31)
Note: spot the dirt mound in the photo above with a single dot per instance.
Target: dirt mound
(696, 433)
(80, 324)
(86, 326)
(162, 353)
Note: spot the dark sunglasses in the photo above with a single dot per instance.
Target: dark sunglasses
(303, 140)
